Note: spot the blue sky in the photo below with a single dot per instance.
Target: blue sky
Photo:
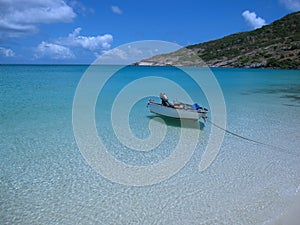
(79, 31)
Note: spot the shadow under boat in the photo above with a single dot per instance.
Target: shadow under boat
(176, 122)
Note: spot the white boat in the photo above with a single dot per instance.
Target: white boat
(178, 109)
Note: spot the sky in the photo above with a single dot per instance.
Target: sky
(79, 31)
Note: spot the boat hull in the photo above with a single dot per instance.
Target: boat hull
(175, 113)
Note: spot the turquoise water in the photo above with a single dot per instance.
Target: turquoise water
(46, 180)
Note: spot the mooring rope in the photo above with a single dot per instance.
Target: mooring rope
(284, 150)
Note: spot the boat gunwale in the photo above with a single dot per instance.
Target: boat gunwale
(189, 110)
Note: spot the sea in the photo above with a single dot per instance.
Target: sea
(54, 171)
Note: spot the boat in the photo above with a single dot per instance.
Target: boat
(177, 109)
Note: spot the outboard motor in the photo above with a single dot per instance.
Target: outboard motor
(164, 99)
(163, 96)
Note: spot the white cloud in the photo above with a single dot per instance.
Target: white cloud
(61, 47)
(117, 54)
(130, 53)
(53, 51)
(19, 17)
(80, 7)
(116, 9)
(293, 5)
(92, 43)
(7, 52)
(126, 54)
(253, 20)
(134, 52)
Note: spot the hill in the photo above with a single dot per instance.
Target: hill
(276, 45)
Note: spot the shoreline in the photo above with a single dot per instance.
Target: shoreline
(133, 65)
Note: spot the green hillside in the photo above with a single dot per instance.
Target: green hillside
(273, 46)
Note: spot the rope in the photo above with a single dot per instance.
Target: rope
(254, 141)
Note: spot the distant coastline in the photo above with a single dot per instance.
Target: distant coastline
(136, 64)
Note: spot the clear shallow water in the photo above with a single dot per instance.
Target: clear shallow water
(44, 178)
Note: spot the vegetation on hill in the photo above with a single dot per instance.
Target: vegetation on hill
(273, 46)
